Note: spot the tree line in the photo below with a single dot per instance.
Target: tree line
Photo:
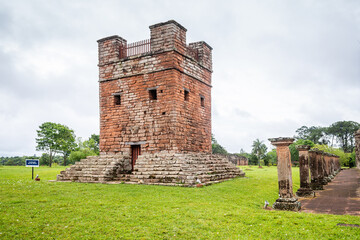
(60, 146)
(338, 138)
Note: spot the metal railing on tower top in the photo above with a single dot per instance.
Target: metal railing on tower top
(144, 46)
(135, 48)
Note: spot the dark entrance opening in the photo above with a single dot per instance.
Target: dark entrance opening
(135, 152)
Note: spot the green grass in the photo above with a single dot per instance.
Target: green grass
(229, 210)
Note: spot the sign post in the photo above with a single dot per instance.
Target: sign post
(32, 163)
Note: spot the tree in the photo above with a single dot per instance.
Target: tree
(344, 131)
(92, 143)
(344, 157)
(272, 156)
(295, 153)
(259, 149)
(55, 138)
(86, 148)
(66, 141)
(314, 134)
(216, 147)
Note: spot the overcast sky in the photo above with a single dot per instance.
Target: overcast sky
(278, 65)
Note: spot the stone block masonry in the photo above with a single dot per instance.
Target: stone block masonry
(155, 113)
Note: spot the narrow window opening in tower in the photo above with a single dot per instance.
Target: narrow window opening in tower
(202, 101)
(153, 94)
(186, 95)
(117, 99)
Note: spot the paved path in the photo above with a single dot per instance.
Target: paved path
(341, 196)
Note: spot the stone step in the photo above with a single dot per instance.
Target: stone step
(161, 169)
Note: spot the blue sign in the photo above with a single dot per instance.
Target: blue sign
(32, 162)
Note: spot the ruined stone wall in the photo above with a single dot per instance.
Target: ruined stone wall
(357, 148)
(237, 160)
(170, 122)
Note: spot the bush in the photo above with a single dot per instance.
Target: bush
(76, 156)
(344, 157)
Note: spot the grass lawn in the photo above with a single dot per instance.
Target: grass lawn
(229, 210)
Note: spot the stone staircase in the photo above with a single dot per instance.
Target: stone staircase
(163, 168)
(98, 169)
(183, 169)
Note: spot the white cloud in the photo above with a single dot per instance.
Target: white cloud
(278, 65)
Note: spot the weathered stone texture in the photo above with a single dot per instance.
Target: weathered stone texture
(357, 148)
(180, 169)
(101, 168)
(286, 200)
(304, 190)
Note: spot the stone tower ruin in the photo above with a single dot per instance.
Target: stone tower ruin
(155, 113)
(155, 94)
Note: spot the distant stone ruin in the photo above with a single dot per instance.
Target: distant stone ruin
(155, 113)
(238, 160)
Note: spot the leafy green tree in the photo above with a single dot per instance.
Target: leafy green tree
(344, 131)
(315, 134)
(259, 149)
(85, 148)
(45, 159)
(216, 147)
(304, 142)
(55, 138)
(66, 142)
(272, 157)
(92, 143)
(253, 159)
(352, 159)
(295, 153)
(47, 139)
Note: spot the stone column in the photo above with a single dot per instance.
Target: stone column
(286, 200)
(332, 166)
(304, 190)
(321, 166)
(357, 148)
(326, 161)
(315, 182)
(337, 164)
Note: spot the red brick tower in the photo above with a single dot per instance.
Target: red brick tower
(155, 113)
(155, 94)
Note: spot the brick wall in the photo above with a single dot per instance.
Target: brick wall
(128, 115)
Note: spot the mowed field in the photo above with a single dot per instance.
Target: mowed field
(229, 210)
